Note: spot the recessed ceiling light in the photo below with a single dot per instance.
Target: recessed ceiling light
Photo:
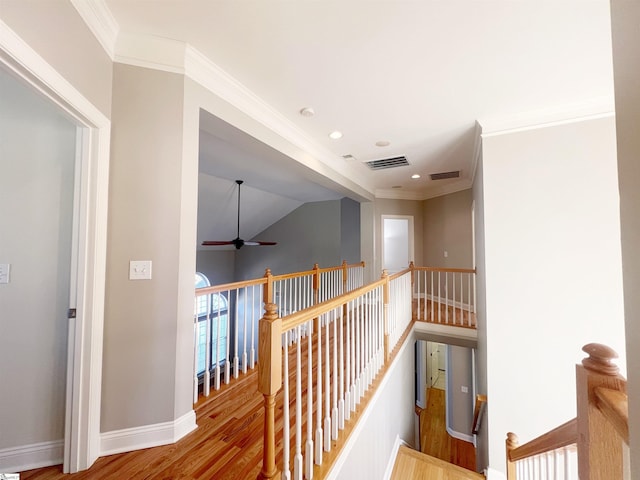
(383, 143)
(307, 112)
(335, 135)
(415, 175)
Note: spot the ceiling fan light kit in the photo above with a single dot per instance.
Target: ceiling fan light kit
(236, 242)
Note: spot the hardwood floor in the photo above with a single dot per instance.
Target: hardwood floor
(414, 465)
(435, 440)
(439, 313)
(226, 446)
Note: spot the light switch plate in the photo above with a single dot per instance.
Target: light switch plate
(140, 270)
(5, 270)
(464, 389)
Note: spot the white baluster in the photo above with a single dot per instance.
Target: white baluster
(348, 379)
(195, 354)
(236, 359)
(327, 397)
(453, 280)
(352, 360)
(319, 433)
(297, 460)
(253, 327)
(206, 380)
(341, 376)
(334, 410)
(244, 335)
(227, 369)
(308, 451)
(286, 436)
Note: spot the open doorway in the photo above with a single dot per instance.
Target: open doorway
(446, 420)
(397, 242)
(79, 241)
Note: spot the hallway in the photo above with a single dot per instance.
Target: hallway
(435, 440)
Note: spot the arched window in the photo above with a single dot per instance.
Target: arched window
(211, 310)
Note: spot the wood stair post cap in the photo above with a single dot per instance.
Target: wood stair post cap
(600, 359)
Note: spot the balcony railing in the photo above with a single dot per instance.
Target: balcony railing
(226, 317)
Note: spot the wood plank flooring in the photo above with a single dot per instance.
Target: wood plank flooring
(414, 465)
(434, 438)
(435, 312)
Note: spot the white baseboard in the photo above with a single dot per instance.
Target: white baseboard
(27, 457)
(394, 454)
(129, 439)
(492, 474)
(460, 436)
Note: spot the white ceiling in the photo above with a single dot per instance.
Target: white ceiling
(418, 74)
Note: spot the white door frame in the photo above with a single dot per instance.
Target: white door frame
(84, 366)
(410, 234)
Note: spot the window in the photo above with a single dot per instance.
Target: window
(213, 310)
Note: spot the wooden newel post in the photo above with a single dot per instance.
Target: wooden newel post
(385, 300)
(269, 383)
(511, 443)
(600, 452)
(345, 276)
(268, 287)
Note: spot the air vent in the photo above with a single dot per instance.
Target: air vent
(348, 157)
(445, 175)
(387, 163)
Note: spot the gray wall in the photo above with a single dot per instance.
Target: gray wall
(350, 230)
(447, 227)
(552, 234)
(145, 320)
(392, 416)
(217, 265)
(625, 18)
(460, 404)
(482, 445)
(56, 31)
(310, 234)
(37, 155)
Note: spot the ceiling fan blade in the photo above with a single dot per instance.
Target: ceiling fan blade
(237, 242)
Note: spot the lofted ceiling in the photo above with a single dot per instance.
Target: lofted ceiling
(415, 75)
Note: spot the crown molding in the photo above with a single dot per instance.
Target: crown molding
(152, 52)
(549, 117)
(463, 184)
(101, 22)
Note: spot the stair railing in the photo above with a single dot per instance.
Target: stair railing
(591, 446)
(345, 341)
(445, 295)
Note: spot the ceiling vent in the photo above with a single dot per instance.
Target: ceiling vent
(445, 175)
(387, 163)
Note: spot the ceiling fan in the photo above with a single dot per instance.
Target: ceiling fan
(236, 242)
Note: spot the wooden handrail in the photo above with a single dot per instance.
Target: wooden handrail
(446, 270)
(562, 436)
(614, 404)
(302, 316)
(399, 274)
(230, 286)
(478, 411)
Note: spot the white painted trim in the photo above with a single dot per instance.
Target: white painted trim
(85, 349)
(355, 433)
(27, 457)
(493, 474)
(550, 117)
(447, 330)
(459, 186)
(137, 438)
(459, 435)
(147, 51)
(394, 454)
(101, 22)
